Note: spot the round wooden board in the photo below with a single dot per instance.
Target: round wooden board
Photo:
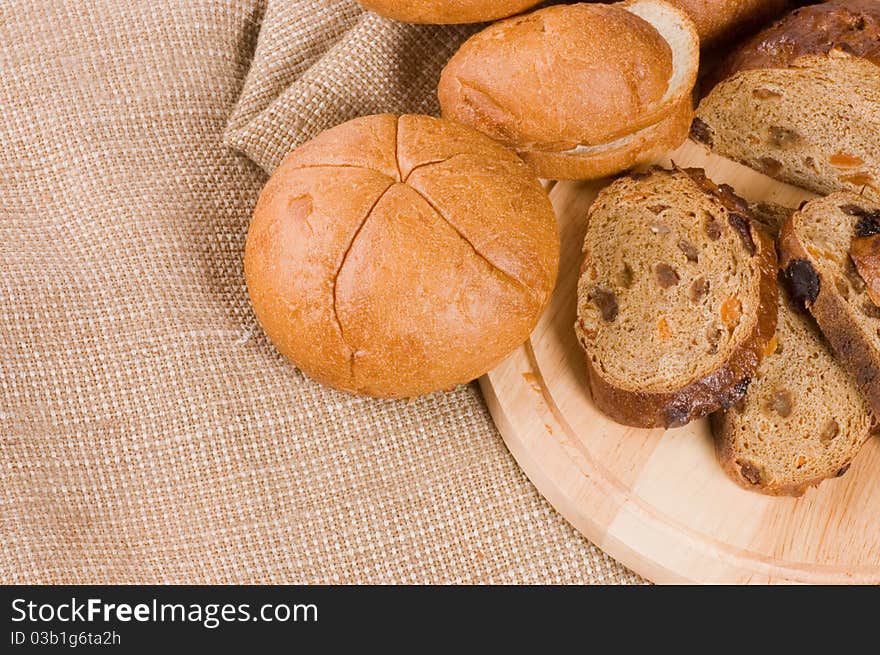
(657, 500)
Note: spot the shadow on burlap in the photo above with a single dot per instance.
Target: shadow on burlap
(148, 430)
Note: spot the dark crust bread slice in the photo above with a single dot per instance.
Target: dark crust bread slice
(801, 101)
(724, 386)
(808, 282)
(852, 26)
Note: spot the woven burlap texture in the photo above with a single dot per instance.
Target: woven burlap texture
(149, 432)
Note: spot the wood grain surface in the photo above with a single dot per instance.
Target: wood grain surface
(657, 500)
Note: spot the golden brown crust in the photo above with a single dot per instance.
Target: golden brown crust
(721, 388)
(865, 254)
(852, 26)
(447, 11)
(368, 142)
(415, 328)
(286, 259)
(831, 312)
(421, 142)
(721, 20)
(390, 284)
(644, 147)
(560, 77)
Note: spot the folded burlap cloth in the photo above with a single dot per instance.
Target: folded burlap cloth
(149, 432)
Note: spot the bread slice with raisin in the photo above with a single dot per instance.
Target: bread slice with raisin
(770, 215)
(803, 419)
(830, 258)
(801, 101)
(676, 298)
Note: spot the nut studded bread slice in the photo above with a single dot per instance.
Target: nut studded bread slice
(803, 419)
(801, 101)
(831, 262)
(676, 299)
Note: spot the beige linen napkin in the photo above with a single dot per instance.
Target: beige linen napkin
(148, 430)
(321, 63)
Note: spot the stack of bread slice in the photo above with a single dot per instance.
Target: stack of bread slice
(804, 418)
(799, 102)
(680, 316)
(831, 263)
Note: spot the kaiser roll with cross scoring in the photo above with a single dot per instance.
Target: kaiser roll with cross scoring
(398, 256)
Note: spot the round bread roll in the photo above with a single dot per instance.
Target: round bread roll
(447, 11)
(580, 91)
(397, 256)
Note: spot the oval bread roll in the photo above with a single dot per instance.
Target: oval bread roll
(721, 19)
(580, 91)
(447, 11)
(395, 257)
(803, 419)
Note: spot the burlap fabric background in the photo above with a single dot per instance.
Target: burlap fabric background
(148, 430)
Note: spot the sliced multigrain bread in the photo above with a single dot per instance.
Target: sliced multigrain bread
(803, 419)
(801, 101)
(676, 298)
(830, 259)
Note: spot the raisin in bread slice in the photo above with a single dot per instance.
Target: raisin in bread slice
(676, 298)
(803, 419)
(801, 101)
(770, 215)
(830, 256)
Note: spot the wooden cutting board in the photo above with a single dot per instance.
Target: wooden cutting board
(657, 500)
